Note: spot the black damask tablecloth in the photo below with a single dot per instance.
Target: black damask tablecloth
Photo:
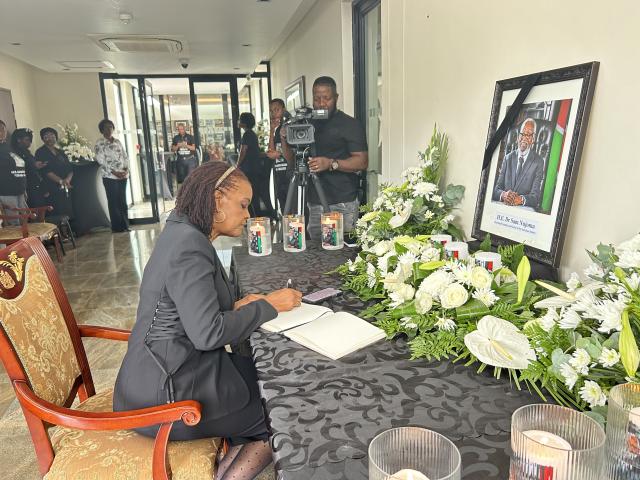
(322, 414)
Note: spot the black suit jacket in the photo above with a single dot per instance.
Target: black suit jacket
(185, 280)
(528, 183)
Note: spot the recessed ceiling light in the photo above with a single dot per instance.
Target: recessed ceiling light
(66, 69)
(16, 44)
(236, 68)
(246, 44)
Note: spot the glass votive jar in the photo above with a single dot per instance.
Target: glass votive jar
(259, 236)
(551, 442)
(413, 453)
(441, 238)
(492, 261)
(293, 232)
(456, 251)
(332, 231)
(623, 433)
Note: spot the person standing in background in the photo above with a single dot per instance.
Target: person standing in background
(281, 174)
(58, 172)
(13, 182)
(184, 147)
(37, 188)
(113, 160)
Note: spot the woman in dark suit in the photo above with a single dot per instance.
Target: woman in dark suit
(188, 312)
(58, 171)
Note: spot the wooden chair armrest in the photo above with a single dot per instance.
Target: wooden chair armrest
(20, 216)
(36, 212)
(187, 411)
(104, 332)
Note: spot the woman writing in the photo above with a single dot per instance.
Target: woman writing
(188, 312)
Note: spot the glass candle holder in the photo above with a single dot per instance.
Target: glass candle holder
(492, 261)
(413, 453)
(623, 433)
(442, 239)
(551, 442)
(259, 236)
(456, 251)
(293, 232)
(332, 231)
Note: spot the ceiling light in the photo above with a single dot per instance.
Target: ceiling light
(246, 44)
(16, 44)
(236, 68)
(126, 18)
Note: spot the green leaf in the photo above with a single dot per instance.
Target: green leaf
(524, 270)
(485, 246)
(455, 231)
(628, 347)
(472, 309)
(433, 265)
(453, 195)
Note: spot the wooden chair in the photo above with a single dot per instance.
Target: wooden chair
(42, 351)
(36, 228)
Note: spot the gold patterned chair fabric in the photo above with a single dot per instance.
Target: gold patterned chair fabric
(123, 454)
(41, 349)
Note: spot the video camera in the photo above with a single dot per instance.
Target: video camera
(300, 130)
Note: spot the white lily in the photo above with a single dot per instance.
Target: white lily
(499, 343)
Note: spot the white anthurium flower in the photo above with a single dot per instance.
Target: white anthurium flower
(401, 217)
(444, 323)
(436, 283)
(486, 296)
(423, 302)
(499, 343)
(631, 245)
(481, 278)
(573, 283)
(609, 357)
(569, 319)
(454, 296)
(569, 374)
(549, 320)
(593, 394)
(401, 294)
(462, 272)
(580, 361)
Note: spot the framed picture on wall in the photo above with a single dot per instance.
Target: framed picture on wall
(294, 94)
(527, 182)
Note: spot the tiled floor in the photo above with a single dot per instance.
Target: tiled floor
(101, 278)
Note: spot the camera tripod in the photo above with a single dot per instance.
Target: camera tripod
(300, 182)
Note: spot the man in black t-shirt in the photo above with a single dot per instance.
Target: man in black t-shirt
(184, 147)
(341, 152)
(13, 181)
(277, 110)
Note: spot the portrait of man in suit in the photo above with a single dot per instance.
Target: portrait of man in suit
(519, 182)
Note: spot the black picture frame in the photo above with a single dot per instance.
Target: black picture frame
(566, 95)
(294, 94)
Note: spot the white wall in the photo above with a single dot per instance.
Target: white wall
(19, 78)
(441, 62)
(316, 48)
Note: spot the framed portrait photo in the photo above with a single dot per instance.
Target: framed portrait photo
(527, 186)
(294, 96)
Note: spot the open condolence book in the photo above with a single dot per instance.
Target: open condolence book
(333, 335)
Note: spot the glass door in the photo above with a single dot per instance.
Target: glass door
(215, 119)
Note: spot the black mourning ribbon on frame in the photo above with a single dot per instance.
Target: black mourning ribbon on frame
(509, 118)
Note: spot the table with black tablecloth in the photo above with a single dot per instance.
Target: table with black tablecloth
(322, 413)
(88, 197)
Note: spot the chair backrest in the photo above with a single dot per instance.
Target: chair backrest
(39, 339)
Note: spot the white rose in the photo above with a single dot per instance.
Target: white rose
(454, 296)
(423, 302)
(401, 294)
(480, 277)
(436, 283)
(381, 248)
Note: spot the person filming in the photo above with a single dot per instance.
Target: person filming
(341, 152)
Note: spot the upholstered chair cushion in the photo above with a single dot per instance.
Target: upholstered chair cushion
(36, 327)
(123, 454)
(43, 231)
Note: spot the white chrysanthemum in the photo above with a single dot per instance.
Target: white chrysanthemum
(430, 254)
(383, 262)
(593, 394)
(405, 265)
(609, 357)
(424, 188)
(585, 302)
(449, 218)
(378, 202)
(462, 272)
(486, 296)
(407, 322)
(371, 275)
(481, 278)
(632, 245)
(436, 283)
(444, 323)
(549, 320)
(609, 313)
(573, 283)
(569, 319)
(569, 374)
(391, 281)
(401, 294)
(436, 198)
(454, 296)
(580, 361)
(423, 302)
(629, 259)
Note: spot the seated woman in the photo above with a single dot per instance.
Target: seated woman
(58, 172)
(188, 312)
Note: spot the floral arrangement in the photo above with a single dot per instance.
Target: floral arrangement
(75, 146)
(262, 130)
(419, 205)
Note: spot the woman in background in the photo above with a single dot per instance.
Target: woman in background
(58, 172)
(37, 186)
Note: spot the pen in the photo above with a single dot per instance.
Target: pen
(289, 284)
